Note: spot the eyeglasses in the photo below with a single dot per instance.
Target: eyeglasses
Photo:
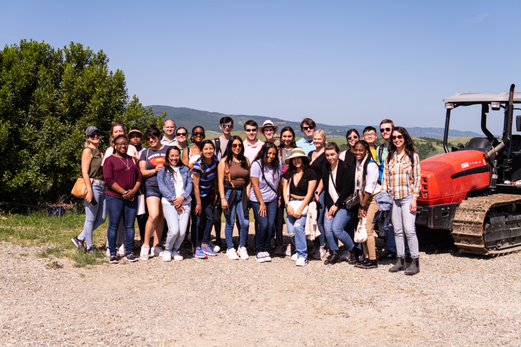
(152, 139)
(197, 134)
(385, 130)
(236, 145)
(250, 130)
(307, 128)
(180, 134)
(227, 126)
(119, 144)
(397, 137)
(352, 137)
(369, 134)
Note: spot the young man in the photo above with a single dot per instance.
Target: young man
(252, 145)
(268, 129)
(370, 136)
(226, 126)
(382, 151)
(135, 137)
(307, 126)
(169, 129)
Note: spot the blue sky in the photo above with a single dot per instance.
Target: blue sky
(339, 62)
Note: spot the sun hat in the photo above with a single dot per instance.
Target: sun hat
(267, 124)
(91, 130)
(296, 153)
(135, 131)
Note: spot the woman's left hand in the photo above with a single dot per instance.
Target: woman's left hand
(178, 202)
(413, 206)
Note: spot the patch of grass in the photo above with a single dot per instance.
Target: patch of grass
(52, 252)
(88, 259)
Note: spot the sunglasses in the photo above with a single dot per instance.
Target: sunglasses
(352, 137)
(93, 135)
(307, 128)
(197, 134)
(152, 139)
(236, 145)
(251, 130)
(385, 130)
(397, 137)
(227, 126)
(180, 134)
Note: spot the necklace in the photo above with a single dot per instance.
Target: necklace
(127, 166)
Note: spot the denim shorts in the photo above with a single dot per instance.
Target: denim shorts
(151, 192)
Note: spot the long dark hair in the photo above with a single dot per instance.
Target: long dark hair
(167, 162)
(290, 129)
(293, 169)
(262, 157)
(349, 132)
(229, 154)
(203, 162)
(409, 144)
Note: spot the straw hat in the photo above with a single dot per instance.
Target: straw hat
(297, 153)
(268, 124)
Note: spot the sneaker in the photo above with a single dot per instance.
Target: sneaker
(208, 251)
(301, 261)
(294, 257)
(231, 254)
(288, 250)
(143, 255)
(215, 248)
(367, 264)
(267, 257)
(107, 252)
(167, 256)
(90, 250)
(177, 256)
(332, 259)
(156, 251)
(243, 253)
(344, 256)
(113, 259)
(121, 250)
(199, 254)
(131, 258)
(260, 257)
(78, 243)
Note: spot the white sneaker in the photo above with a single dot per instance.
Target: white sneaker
(301, 261)
(216, 248)
(294, 257)
(166, 255)
(121, 250)
(261, 258)
(143, 255)
(231, 254)
(156, 251)
(267, 257)
(177, 256)
(243, 253)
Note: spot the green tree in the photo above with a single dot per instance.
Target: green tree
(48, 97)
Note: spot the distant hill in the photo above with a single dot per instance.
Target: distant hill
(189, 118)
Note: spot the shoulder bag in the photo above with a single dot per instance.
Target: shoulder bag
(79, 190)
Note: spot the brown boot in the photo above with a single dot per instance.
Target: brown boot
(399, 266)
(413, 268)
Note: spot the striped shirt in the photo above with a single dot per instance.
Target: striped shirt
(207, 176)
(401, 177)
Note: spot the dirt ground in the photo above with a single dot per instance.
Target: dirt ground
(454, 300)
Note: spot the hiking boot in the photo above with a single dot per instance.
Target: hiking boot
(413, 268)
(78, 243)
(399, 266)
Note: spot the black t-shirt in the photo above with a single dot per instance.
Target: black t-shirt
(318, 164)
(302, 188)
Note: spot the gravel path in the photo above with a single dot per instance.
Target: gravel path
(453, 301)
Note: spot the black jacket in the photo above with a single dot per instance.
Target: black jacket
(344, 181)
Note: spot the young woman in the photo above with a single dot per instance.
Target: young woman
(338, 183)
(181, 136)
(175, 185)
(233, 175)
(204, 174)
(193, 152)
(287, 143)
(299, 183)
(367, 188)
(92, 174)
(317, 163)
(352, 137)
(123, 179)
(402, 181)
(151, 162)
(265, 174)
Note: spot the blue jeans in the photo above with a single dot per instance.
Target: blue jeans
(203, 222)
(236, 209)
(116, 209)
(266, 225)
(177, 223)
(334, 228)
(95, 215)
(297, 227)
(403, 223)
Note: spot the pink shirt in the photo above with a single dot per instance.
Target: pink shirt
(250, 151)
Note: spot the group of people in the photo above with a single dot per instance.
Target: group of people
(321, 193)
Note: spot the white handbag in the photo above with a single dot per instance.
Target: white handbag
(361, 231)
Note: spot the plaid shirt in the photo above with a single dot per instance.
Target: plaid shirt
(401, 178)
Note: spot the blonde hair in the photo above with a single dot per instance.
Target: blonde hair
(322, 134)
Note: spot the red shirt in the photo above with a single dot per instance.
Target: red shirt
(123, 171)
